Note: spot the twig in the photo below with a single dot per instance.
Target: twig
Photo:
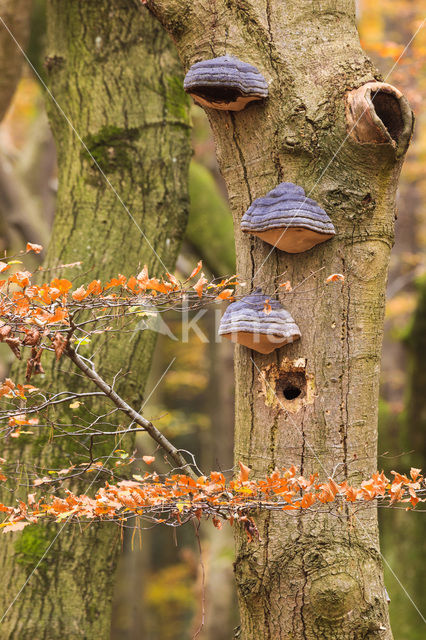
(129, 411)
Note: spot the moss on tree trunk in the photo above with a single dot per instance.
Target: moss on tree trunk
(114, 73)
(310, 576)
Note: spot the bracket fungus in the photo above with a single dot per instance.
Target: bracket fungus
(258, 322)
(225, 83)
(378, 113)
(288, 220)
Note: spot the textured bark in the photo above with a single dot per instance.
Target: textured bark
(115, 75)
(319, 576)
(16, 15)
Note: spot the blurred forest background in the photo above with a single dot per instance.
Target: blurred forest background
(160, 591)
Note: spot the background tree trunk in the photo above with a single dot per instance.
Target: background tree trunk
(403, 539)
(114, 73)
(16, 16)
(310, 576)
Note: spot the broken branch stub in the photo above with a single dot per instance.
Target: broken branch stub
(378, 113)
(225, 83)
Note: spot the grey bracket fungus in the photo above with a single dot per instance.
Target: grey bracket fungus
(225, 83)
(288, 220)
(246, 322)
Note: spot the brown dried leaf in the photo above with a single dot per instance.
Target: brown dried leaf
(14, 344)
(59, 344)
(29, 370)
(32, 338)
(5, 331)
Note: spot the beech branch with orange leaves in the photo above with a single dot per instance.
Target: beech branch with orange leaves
(179, 498)
(57, 318)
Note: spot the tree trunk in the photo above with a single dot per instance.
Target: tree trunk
(310, 576)
(15, 15)
(114, 73)
(408, 557)
(416, 401)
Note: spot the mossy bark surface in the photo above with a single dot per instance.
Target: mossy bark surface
(114, 73)
(310, 576)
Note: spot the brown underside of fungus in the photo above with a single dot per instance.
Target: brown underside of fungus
(288, 220)
(225, 83)
(259, 323)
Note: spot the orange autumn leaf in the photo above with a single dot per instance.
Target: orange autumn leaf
(143, 277)
(196, 270)
(225, 294)
(173, 280)
(335, 277)
(414, 473)
(287, 286)
(148, 459)
(62, 284)
(244, 472)
(6, 387)
(94, 287)
(79, 294)
(307, 500)
(133, 284)
(21, 278)
(267, 307)
(414, 500)
(351, 494)
(4, 266)
(200, 284)
(37, 248)
(333, 486)
(60, 315)
(155, 285)
(116, 282)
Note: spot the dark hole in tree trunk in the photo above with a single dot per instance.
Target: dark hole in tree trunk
(292, 384)
(389, 111)
(217, 94)
(291, 392)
